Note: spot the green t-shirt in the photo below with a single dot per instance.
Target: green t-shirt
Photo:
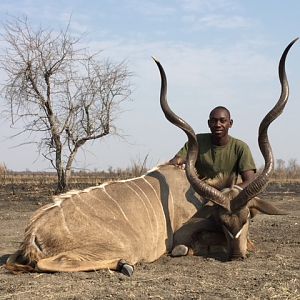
(233, 158)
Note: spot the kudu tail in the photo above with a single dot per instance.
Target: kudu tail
(17, 263)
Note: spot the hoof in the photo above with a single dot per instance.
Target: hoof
(125, 268)
(180, 250)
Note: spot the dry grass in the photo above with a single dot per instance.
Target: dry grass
(89, 179)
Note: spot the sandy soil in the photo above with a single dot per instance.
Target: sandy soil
(272, 272)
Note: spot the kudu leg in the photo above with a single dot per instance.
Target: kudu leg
(70, 261)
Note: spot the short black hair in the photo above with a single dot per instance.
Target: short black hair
(222, 108)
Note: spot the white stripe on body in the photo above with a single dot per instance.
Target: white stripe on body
(170, 207)
(151, 186)
(139, 196)
(65, 223)
(153, 210)
(121, 210)
(89, 218)
(98, 199)
(117, 204)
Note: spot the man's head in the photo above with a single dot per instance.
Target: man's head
(219, 123)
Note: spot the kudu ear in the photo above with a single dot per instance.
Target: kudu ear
(256, 205)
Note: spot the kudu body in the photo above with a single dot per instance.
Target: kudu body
(138, 219)
(130, 220)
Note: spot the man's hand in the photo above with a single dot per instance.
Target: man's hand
(178, 162)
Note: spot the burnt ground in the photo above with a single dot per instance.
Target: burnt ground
(272, 272)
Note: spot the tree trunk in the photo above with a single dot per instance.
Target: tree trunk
(62, 184)
(64, 174)
(61, 175)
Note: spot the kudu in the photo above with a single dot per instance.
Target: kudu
(232, 209)
(117, 224)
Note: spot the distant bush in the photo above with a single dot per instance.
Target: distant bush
(285, 171)
(3, 172)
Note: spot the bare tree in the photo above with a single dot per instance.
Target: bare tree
(292, 167)
(280, 168)
(64, 95)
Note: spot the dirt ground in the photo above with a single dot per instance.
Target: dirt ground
(272, 272)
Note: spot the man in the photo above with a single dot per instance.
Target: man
(219, 153)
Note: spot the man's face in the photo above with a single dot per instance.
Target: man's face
(219, 123)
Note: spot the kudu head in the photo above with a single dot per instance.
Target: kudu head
(233, 208)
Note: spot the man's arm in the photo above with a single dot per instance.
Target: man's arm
(247, 177)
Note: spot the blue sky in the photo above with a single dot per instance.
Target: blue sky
(215, 52)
